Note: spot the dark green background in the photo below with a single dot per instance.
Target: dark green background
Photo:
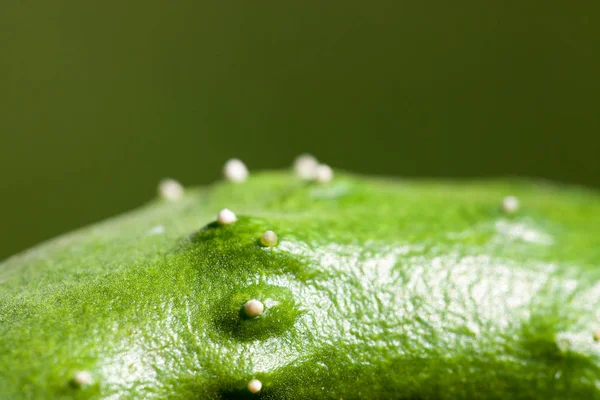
(99, 100)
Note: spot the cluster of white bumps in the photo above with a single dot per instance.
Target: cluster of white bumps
(308, 168)
(252, 308)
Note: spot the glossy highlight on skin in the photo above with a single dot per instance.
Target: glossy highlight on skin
(376, 289)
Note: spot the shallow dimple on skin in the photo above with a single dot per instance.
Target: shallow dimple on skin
(418, 279)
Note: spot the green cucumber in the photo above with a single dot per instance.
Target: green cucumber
(375, 289)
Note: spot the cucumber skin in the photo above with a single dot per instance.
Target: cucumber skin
(378, 288)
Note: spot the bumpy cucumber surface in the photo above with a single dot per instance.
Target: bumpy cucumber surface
(374, 289)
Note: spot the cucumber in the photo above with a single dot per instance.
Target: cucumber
(366, 288)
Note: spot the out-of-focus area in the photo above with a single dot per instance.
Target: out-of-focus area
(99, 100)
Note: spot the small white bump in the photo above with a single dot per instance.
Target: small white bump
(83, 378)
(323, 173)
(170, 189)
(226, 217)
(268, 239)
(253, 308)
(235, 171)
(510, 204)
(254, 386)
(305, 166)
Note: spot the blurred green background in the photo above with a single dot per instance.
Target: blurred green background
(99, 100)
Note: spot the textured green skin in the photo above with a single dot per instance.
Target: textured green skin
(377, 289)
